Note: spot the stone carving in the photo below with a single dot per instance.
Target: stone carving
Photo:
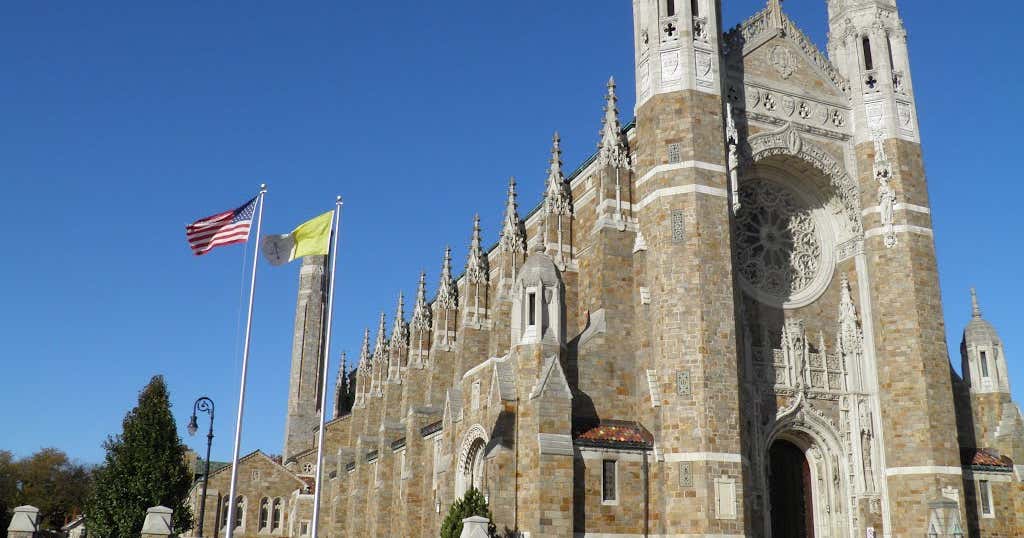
(886, 194)
(850, 338)
(732, 136)
(380, 358)
(867, 434)
(399, 341)
(805, 110)
(700, 29)
(705, 68)
(363, 380)
(778, 247)
(794, 345)
(788, 105)
(780, 142)
(513, 233)
(671, 69)
(783, 60)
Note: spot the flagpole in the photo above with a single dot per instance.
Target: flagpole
(229, 520)
(318, 485)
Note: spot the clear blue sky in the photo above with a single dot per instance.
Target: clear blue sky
(121, 123)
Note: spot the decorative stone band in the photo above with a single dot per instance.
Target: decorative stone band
(721, 457)
(990, 476)
(925, 469)
(590, 453)
(555, 444)
(899, 229)
(682, 189)
(662, 168)
(898, 207)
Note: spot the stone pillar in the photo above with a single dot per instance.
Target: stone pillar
(475, 527)
(158, 522)
(24, 524)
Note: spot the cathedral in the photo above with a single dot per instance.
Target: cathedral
(725, 323)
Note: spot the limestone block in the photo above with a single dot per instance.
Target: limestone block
(475, 527)
(24, 522)
(158, 522)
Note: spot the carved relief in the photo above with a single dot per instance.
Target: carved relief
(705, 68)
(783, 60)
(671, 69)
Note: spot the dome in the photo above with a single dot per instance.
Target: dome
(539, 267)
(979, 331)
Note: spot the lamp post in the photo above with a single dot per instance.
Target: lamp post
(205, 405)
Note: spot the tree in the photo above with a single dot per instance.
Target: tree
(144, 467)
(48, 480)
(471, 504)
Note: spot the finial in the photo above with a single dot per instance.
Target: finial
(263, 187)
(557, 196)
(447, 294)
(476, 262)
(420, 312)
(513, 239)
(380, 347)
(401, 306)
(364, 353)
(975, 309)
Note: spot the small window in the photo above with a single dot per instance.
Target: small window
(224, 513)
(695, 6)
(239, 511)
(984, 364)
(869, 64)
(532, 300)
(670, 8)
(608, 481)
(985, 496)
(307, 468)
(305, 528)
(255, 474)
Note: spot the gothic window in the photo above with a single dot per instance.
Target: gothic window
(255, 474)
(532, 300)
(869, 63)
(264, 513)
(224, 513)
(609, 481)
(670, 8)
(985, 498)
(780, 248)
(695, 6)
(307, 468)
(275, 518)
(984, 364)
(304, 529)
(239, 512)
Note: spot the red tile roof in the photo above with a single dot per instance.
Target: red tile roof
(986, 459)
(615, 434)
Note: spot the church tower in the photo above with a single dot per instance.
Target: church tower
(689, 358)
(868, 43)
(307, 358)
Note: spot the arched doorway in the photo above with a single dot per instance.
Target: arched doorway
(790, 487)
(470, 471)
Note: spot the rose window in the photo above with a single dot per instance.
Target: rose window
(778, 244)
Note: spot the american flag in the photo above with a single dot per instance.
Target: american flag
(227, 228)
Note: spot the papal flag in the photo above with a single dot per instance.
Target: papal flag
(310, 238)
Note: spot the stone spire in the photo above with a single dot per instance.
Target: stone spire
(612, 150)
(447, 293)
(975, 309)
(380, 348)
(513, 237)
(420, 311)
(849, 330)
(339, 386)
(557, 197)
(400, 331)
(477, 270)
(364, 353)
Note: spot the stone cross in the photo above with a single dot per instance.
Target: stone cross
(158, 522)
(24, 522)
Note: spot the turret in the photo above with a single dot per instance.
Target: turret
(981, 352)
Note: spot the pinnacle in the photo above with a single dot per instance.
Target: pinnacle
(975, 308)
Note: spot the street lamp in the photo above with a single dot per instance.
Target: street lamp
(205, 405)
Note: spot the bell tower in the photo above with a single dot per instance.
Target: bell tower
(690, 393)
(868, 43)
(307, 358)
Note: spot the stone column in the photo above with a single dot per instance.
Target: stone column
(158, 522)
(24, 524)
(475, 527)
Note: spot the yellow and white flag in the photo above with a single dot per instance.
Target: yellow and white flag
(311, 238)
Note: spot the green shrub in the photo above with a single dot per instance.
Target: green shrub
(471, 504)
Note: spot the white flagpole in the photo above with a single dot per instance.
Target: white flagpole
(318, 485)
(229, 520)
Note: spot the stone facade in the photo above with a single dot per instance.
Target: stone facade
(726, 323)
